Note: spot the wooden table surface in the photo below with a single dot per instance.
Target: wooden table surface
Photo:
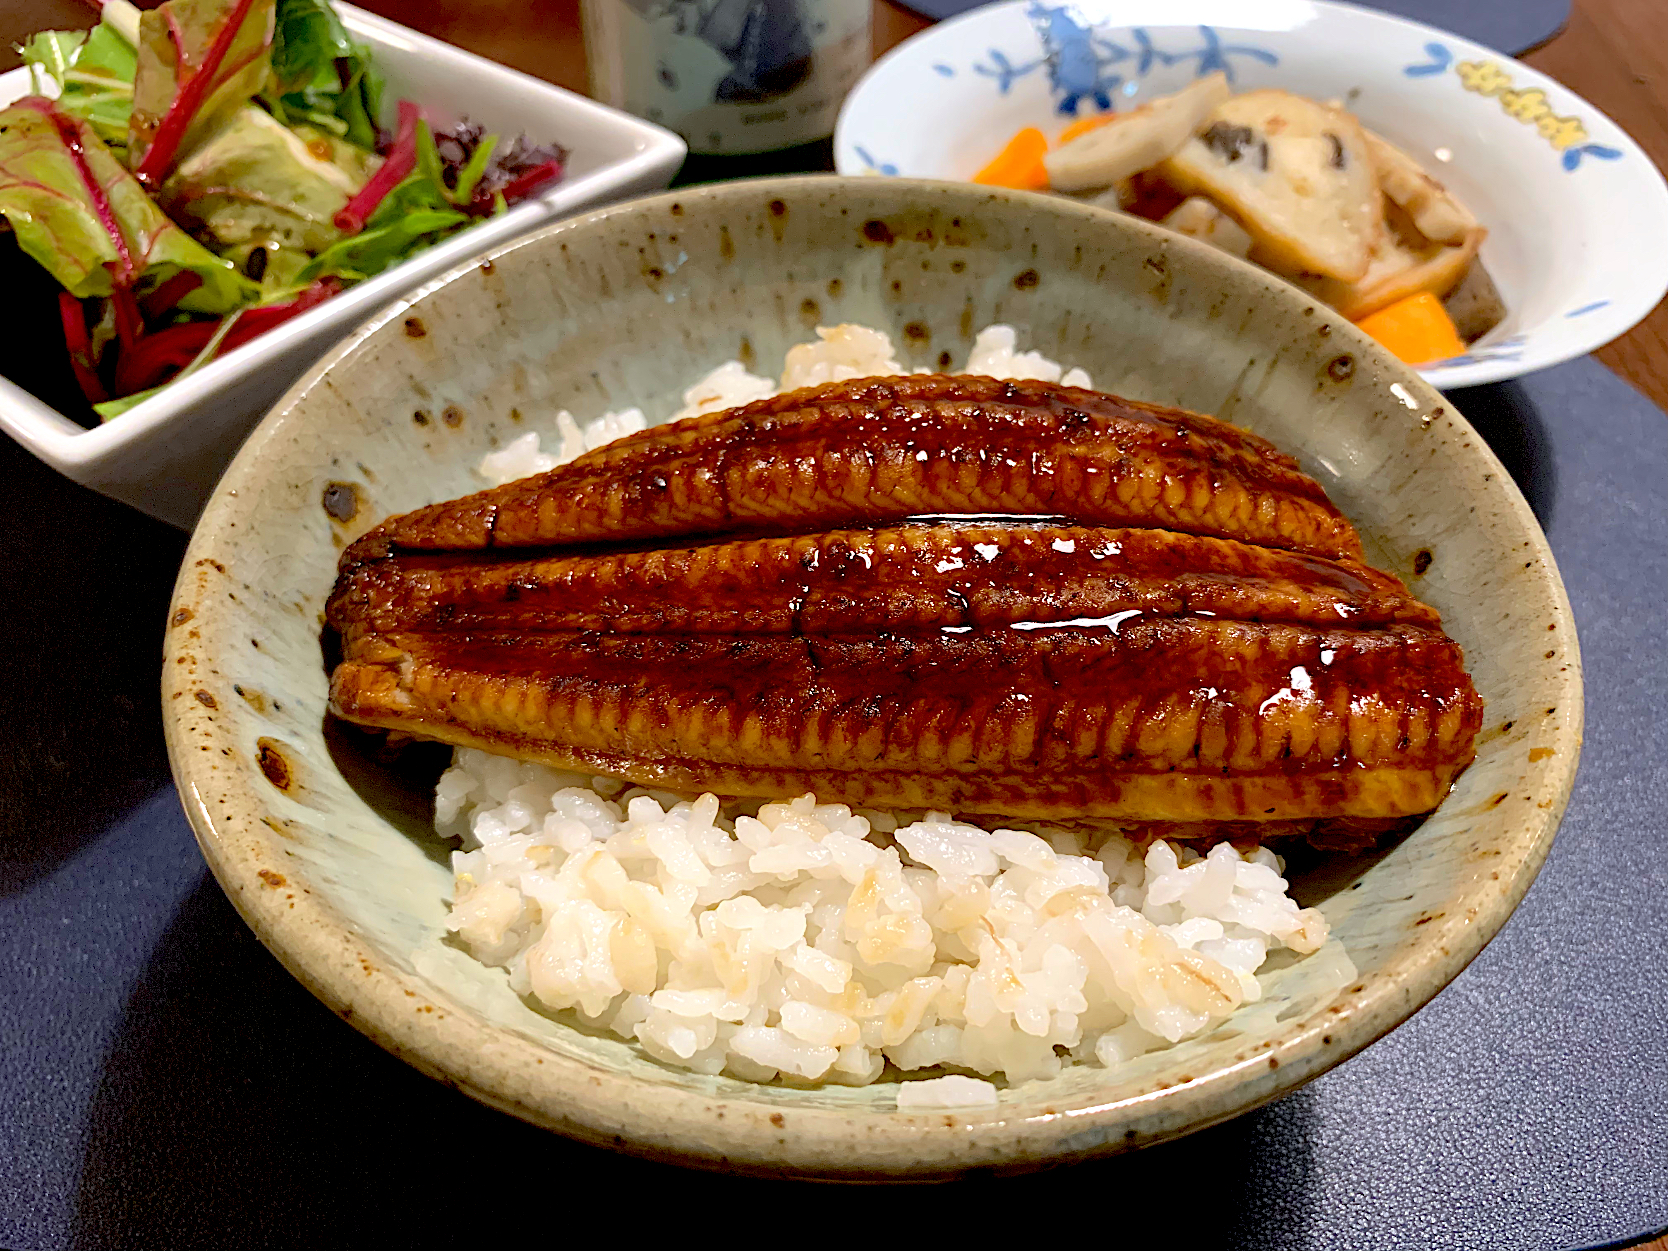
(1613, 52)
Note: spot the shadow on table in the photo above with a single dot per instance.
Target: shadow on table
(81, 702)
(236, 1110)
(1506, 418)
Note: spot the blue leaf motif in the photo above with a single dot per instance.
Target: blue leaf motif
(1587, 308)
(1440, 60)
(944, 71)
(1111, 53)
(1005, 71)
(1572, 156)
(880, 167)
(1148, 52)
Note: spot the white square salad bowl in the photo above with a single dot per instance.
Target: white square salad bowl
(165, 454)
(1575, 211)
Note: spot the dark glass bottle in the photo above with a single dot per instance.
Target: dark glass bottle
(753, 86)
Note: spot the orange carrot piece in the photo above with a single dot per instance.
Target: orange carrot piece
(1417, 329)
(1020, 164)
(1083, 126)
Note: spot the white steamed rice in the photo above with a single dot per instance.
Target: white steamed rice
(812, 943)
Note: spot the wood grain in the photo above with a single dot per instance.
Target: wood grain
(1613, 52)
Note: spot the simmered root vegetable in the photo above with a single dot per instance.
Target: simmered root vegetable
(1296, 174)
(1020, 164)
(1435, 213)
(1198, 217)
(1475, 304)
(1403, 264)
(1295, 185)
(1144, 137)
(1417, 329)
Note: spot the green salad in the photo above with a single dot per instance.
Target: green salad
(193, 175)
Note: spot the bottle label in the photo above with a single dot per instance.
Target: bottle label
(730, 76)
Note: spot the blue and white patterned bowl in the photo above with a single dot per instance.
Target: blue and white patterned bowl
(1577, 214)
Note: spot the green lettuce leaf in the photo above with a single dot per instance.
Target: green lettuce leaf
(93, 73)
(259, 183)
(412, 216)
(75, 208)
(115, 408)
(320, 76)
(227, 44)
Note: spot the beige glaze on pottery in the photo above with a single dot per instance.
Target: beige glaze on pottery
(328, 854)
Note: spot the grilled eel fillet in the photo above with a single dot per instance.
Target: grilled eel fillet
(1012, 599)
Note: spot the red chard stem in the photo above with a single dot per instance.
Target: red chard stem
(159, 157)
(402, 158)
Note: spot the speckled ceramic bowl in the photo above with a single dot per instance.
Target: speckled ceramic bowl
(328, 855)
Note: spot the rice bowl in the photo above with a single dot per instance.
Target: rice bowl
(333, 860)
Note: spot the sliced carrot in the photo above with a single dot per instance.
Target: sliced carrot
(1417, 329)
(1083, 126)
(1020, 164)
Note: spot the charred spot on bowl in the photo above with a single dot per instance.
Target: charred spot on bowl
(944, 360)
(274, 764)
(957, 266)
(1026, 280)
(420, 417)
(487, 267)
(917, 332)
(726, 245)
(181, 616)
(677, 209)
(877, 231)
(452, 415)
(1324, 331)
(274, 880)
(1497, 800)
(414, 328)
(253, 698)
(1337, 158)
(745, 353)
(835, 286)
(341, 500)
(1341, 368)
(810, 312)
(1421, 561)
(1157, 264)
(777, 208)
(778, 1120)
(897, 286)
(653, 273)
(515, 414)
(205, 699)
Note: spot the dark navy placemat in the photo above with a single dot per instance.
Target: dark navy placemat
(163, 1082)
(1512, 26)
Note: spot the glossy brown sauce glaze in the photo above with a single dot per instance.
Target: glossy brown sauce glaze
(1165, 621)
(874, 451)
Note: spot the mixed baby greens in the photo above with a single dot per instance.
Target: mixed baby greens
(195, 174)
